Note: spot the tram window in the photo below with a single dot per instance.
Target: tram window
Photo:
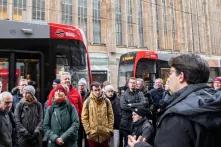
(29, 69)
(99, 76)
(125, 72)
(71, 57)
(4, 73)
(146, 69)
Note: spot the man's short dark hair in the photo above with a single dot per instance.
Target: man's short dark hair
(195, 69)
(95, 84)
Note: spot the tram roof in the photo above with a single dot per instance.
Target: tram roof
(39, 30)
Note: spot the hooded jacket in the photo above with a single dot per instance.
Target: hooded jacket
(192, 119)
(61, 120)
(97, 118)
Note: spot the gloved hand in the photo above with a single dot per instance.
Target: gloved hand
(27, 135)
(35, 134)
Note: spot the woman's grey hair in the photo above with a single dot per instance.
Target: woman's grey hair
(5, 94)
(108, 87)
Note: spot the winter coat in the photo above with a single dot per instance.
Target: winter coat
(16, 99)
(157, 95)
(5, 130)
(29, 119)
(135, 99)
(147, 95)
(75, 98)
(14, 130)
(192, 119)
(143, 128)
(115, 102)
(97, 118)
(61, 120)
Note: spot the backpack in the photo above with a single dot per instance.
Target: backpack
(87, 101)
(51, 110)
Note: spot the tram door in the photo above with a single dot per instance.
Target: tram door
(4, 72)
(16, 66)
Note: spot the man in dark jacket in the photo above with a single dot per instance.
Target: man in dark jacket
(157, 92)
(17, 92)
(131, 99)
(115, 102)
(192, 119)
(5, 123)
(141, 87)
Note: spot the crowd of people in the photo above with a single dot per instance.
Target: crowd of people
(184, 112)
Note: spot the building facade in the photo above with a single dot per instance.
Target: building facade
(114, 27)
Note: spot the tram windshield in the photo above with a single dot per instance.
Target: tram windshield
(70, 57)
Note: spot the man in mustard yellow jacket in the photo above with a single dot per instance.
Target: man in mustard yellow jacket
(97, 117)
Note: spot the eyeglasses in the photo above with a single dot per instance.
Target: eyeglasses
(110, 91)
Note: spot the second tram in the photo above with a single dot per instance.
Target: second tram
(150, 65)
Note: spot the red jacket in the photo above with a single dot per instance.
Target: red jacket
(73, 96)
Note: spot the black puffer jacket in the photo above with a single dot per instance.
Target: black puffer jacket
(156, 95)
(192, 119)
(134, 99)
(148, 97)
(115, 101)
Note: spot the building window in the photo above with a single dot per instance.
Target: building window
(82, 15)
(38, 9)
(66, 9)
(164, 16)
(18, 7)
(3, 9)
(96, 21)
(118, 22)
(129, 23)
(140, 22)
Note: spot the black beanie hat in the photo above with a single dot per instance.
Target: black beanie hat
(140, 111)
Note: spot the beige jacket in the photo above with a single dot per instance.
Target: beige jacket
(97, 118)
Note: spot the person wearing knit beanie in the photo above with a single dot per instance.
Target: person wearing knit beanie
(60, 93)
(30, 89)
(31, 121)
(82, 81)
(141, 125)
(61, 88)
(29, 94)
(141, 112)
